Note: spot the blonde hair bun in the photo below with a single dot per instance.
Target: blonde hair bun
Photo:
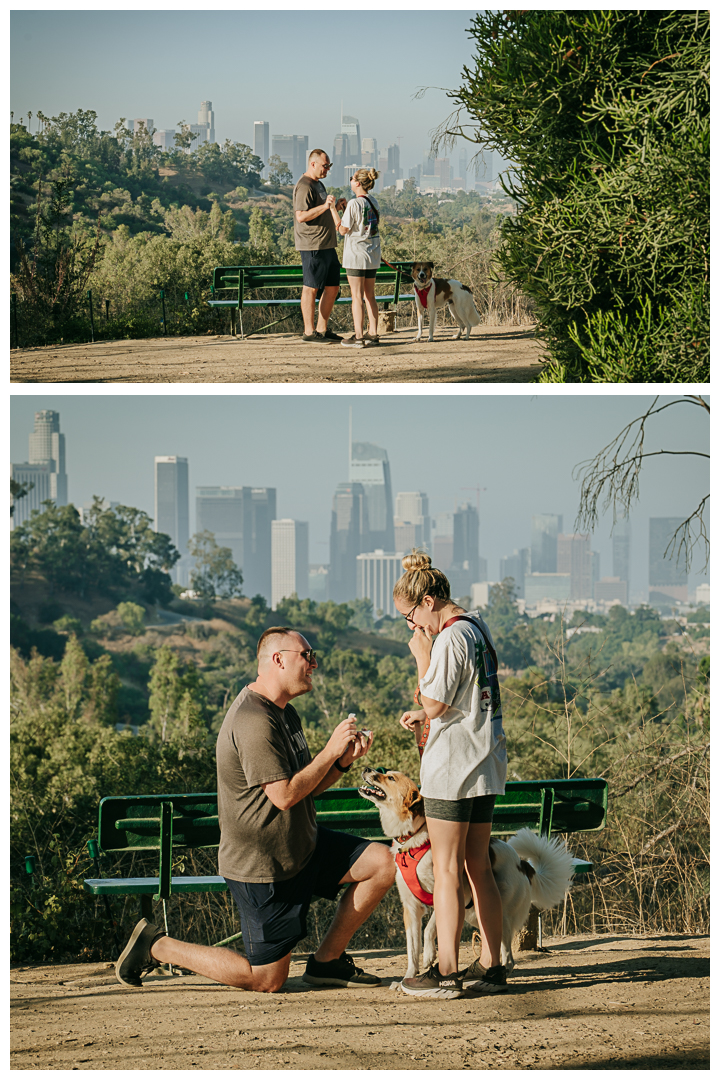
(417, 560)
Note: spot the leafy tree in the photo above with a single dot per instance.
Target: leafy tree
(215, 573)
(262, 240)
(280, 173)
(176, 700)
(132, 617)
(605, 117)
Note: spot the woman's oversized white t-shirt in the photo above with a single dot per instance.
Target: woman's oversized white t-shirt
(465, 754)
(361, 248)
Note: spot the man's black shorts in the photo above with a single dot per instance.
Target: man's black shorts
(273, 915)
(320, 268)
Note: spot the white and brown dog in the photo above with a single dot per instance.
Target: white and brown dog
(432, 293)
(528, 869)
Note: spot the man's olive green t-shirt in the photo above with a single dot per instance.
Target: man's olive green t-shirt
(320, 233)
(259, 743)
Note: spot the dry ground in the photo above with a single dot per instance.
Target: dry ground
(590, 1002)
(493, 354)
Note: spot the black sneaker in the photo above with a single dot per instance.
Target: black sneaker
(354, 343)
(135, 959)
(472, 975)
(319, 339)
(494, 981)
(372, 339)
(433, 984)
(341, 972)
(330, 335)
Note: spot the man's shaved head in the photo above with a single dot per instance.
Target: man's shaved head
(271, 641)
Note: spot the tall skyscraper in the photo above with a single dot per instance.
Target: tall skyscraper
(412, 521)
(467, 567)
(172, 515)
(516, 566)
(261, 144)
(36, 478)
(348, 538)
(165, 138)
(341, 159)
(621, 537)
(442, 540)
(377, 572)
(370, 467)
(369, 154)
(293, 150)
(667, 577)
(240, 518)
(574, 557)
(47, 446)
(290, 563)
(543, 544)
(351, 127)
(206, 119)
(143, 124)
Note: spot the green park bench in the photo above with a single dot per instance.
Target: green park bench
(164, 823)
(239, 281)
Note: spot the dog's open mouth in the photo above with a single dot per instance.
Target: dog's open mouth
(369, 791)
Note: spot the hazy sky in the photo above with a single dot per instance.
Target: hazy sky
(520, 448)
(292, 68)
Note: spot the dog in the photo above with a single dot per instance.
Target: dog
(528, 869)
(433, 293)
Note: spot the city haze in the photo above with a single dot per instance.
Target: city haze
(518, 450)
(289, 68)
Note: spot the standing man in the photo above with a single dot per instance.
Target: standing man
(316, 219)
(272, 853)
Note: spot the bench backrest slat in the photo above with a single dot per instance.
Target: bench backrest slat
(135, 822)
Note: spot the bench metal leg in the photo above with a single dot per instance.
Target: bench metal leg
(233, 321)
(146, 911)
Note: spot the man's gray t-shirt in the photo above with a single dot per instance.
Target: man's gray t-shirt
(259, 743)
(319, 233)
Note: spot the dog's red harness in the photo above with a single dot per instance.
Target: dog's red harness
(423, 294)
(407, 863)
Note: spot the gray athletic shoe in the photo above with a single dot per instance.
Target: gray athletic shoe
(341, 972)
(354, 343)
(135, 959)
(433, 984)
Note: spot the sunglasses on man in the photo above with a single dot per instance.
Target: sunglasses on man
(307, 654)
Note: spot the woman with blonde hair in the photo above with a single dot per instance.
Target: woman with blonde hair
(464, 765)
(361, 255)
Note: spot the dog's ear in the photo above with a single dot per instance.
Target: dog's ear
(415, 801)
(431, 265)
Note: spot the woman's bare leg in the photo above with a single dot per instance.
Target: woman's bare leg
(488, 902)
(447, 839)
(372, 308)
(356, 292)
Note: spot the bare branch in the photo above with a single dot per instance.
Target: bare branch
(612, 480)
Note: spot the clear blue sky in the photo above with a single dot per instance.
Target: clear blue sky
(292, 68)
(520, 448)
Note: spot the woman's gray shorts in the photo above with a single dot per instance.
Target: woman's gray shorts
(478, 810)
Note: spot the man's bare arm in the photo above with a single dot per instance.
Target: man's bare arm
(287, 793)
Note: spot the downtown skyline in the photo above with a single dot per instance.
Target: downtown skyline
(299, 445)
(62, 61)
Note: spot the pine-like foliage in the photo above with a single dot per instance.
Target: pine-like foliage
(605, 115)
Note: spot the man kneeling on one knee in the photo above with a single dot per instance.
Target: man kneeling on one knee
(272, 853)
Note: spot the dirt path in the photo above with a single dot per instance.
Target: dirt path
(591, 1002)
(493, 354)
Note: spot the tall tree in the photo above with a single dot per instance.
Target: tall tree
(604, 116)
(215, 573)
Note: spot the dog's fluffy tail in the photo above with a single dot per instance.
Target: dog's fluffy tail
(553, 865)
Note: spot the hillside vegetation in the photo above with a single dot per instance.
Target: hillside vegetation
(109, 697)
(110, 213)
